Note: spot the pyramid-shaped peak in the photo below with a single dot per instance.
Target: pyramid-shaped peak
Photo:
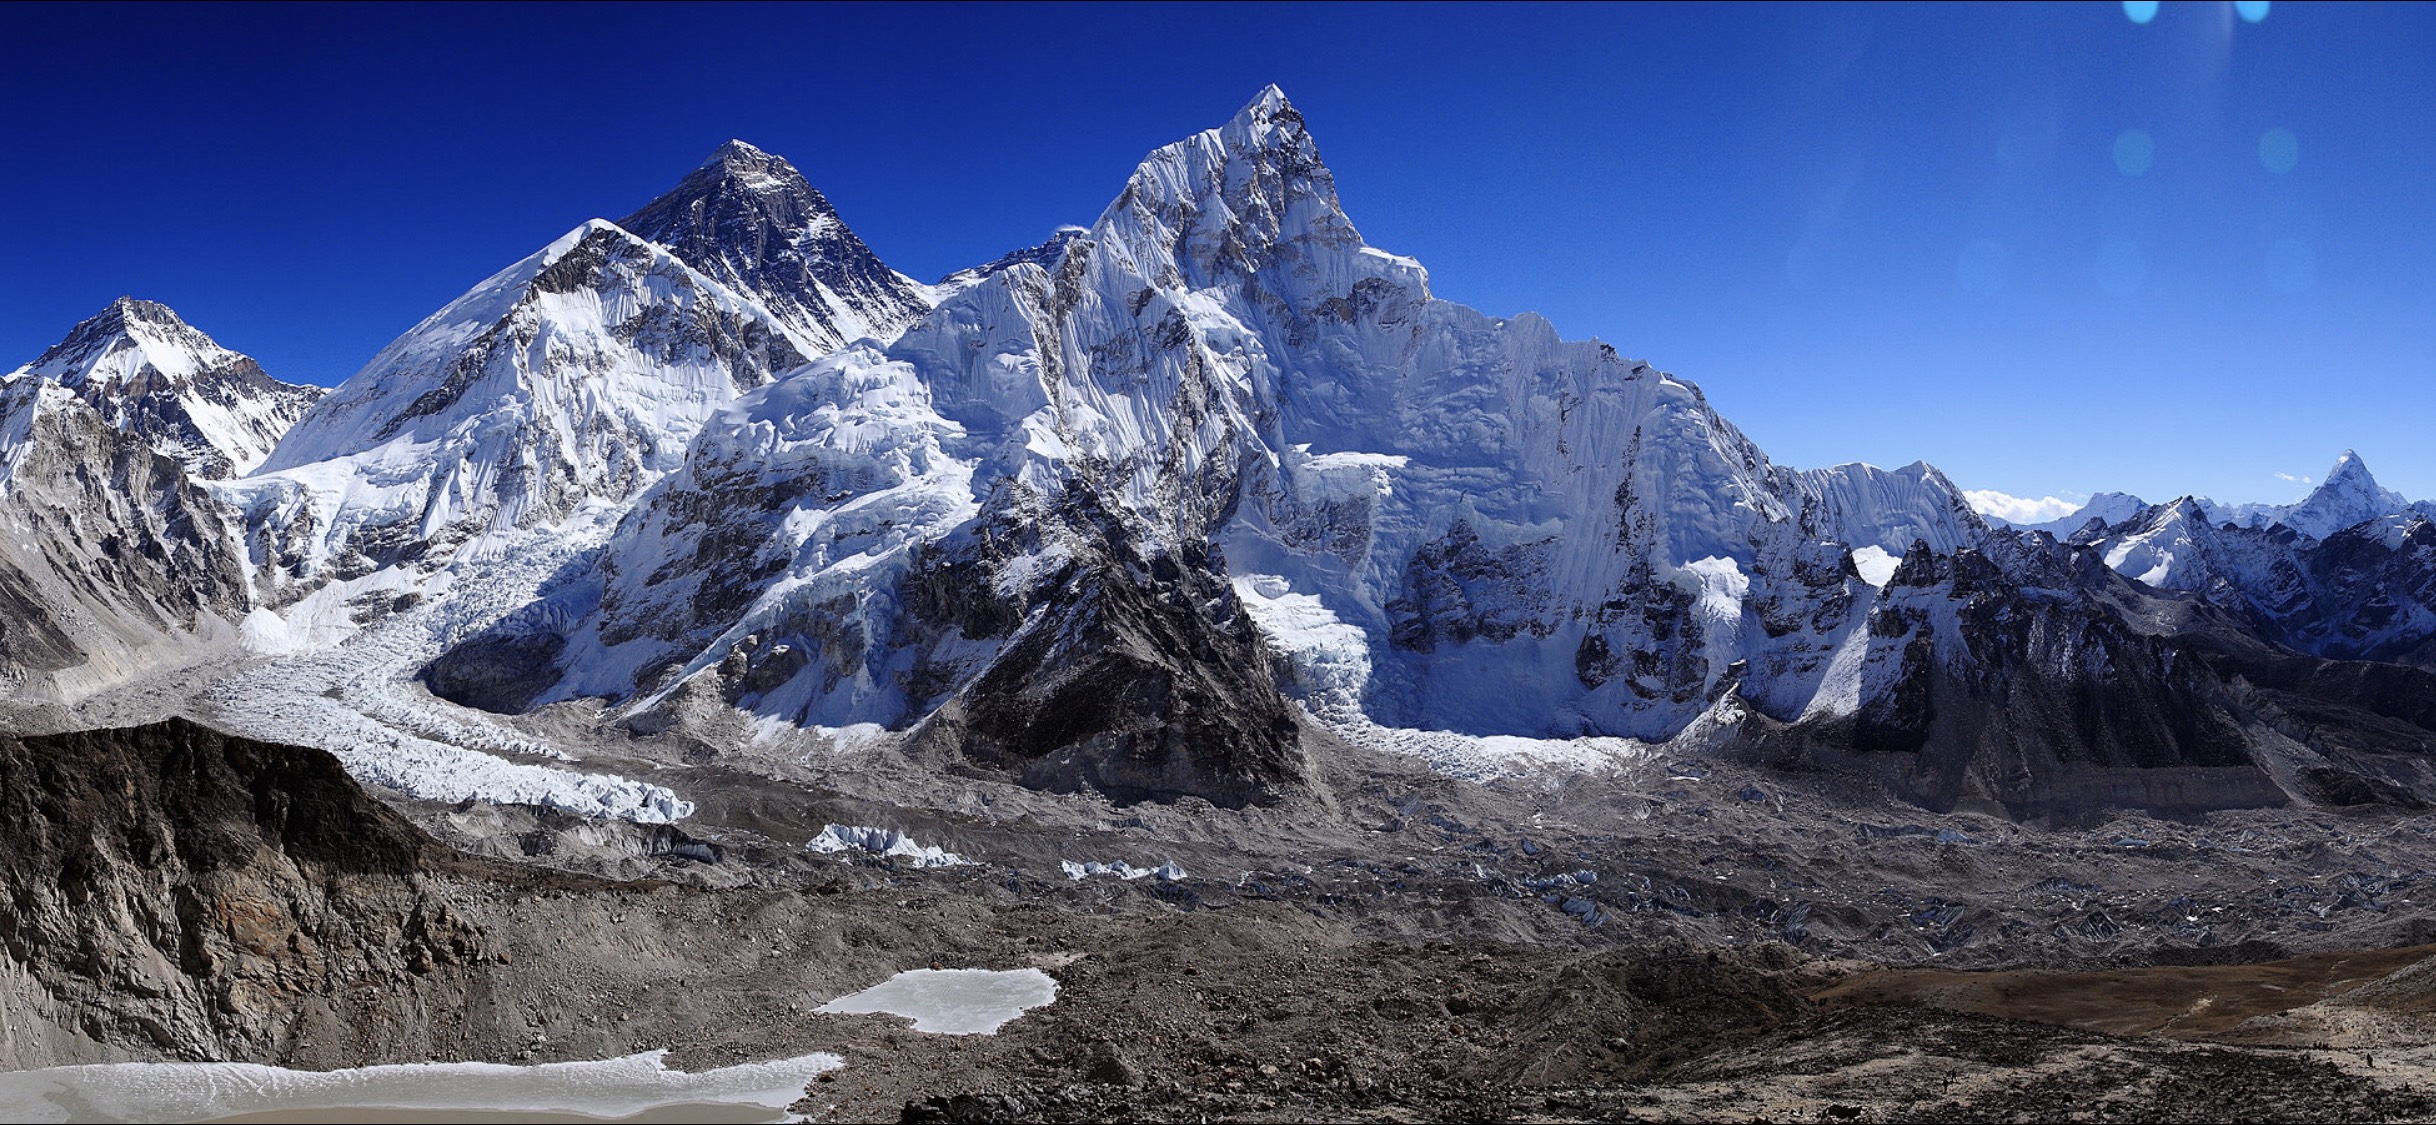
(2349, 495)
(748, 220)
(1266, 105)
(742, 156)
(2349, 477)
(129, 310)
(150, 374)
(1267, 121)
(141, 334)
(739, 150)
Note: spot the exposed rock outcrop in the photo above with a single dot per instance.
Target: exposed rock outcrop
(170, 890)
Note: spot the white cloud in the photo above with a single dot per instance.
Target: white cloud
(2288, 478)
(2016, 509)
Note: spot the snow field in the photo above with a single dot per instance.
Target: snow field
(609, 1089)
(953, 1001)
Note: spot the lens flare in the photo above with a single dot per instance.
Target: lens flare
(2135, 150)
(2279, 150)
(2140, 11)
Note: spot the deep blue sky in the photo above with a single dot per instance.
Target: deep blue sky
(1871, 233)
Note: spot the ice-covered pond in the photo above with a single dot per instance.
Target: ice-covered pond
(953, 1001)
(634, 1088)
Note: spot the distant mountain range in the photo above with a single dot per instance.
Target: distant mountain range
(1129, 511)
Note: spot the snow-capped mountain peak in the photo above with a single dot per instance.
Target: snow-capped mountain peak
(1267, 114)
(2348, 496)
(1408, 495)
(151, 374)
(123, 340)
(744, 159)
(749, 220)
(575, 376)
(1059, 516)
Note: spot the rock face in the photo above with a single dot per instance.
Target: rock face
(749, 220)
(170, 889)
(156, 377)
(2014, 682)
(114, 561)
(1136, 677)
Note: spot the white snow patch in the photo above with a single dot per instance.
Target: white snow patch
(2149, 558)
(1330, 658)
(609, 1089)
(837, 838)
(953, 1001)
(1876, 564)
(1723, 586)
(1167, 872)
(264, 634)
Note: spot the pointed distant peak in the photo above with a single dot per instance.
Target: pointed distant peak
(2349, 477)
(741, 156)
(129, 310)
(1266, 105)
(1272, 133)
(2347, 497)
(744, 166)
(145, 326)
(737, 150)
(1267, 118)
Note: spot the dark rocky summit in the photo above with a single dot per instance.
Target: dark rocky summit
(750, 221)
(1137, 678)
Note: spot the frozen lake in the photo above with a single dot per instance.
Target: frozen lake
(953, 1001)
(633, 1088)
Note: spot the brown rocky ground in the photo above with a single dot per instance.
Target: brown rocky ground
(1396, 947)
